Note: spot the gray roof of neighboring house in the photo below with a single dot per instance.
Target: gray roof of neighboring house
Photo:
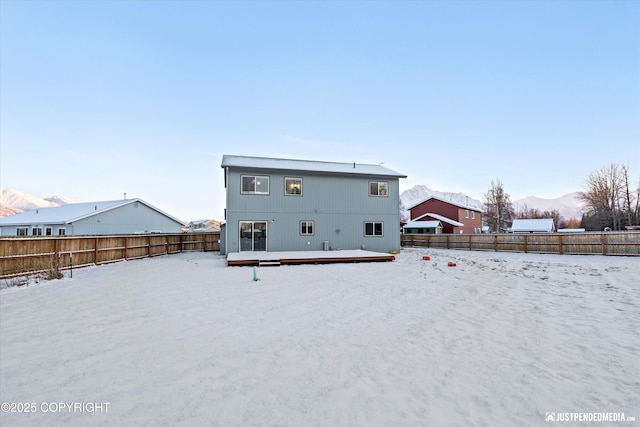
(441, 218)
(460, 205)
(532, 225)
(230, 161)
(66, 214)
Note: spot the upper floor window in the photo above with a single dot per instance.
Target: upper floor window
(293, 186)
(378, 188)
(473, 215)
(466, 213)
(252, 184)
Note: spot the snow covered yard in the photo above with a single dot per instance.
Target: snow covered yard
(501, 339)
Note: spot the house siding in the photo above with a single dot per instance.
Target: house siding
(338, 204)
(131, 218)
(450, 211)
(127, 219)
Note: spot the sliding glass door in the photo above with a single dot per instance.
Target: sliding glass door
(253, 236)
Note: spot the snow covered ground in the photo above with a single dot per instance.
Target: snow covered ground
(501, 339)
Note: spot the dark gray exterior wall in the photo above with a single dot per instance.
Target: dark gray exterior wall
(339, 205)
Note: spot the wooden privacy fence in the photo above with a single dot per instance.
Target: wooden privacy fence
(598, 243)
(35, 255)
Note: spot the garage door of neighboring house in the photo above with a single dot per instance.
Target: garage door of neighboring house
(253, 236)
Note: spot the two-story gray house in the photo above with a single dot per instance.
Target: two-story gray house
(300, 205)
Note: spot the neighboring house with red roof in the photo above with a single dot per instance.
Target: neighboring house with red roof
(454, 217)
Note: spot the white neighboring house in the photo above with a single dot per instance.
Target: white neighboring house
(542, 225)
(133, 216)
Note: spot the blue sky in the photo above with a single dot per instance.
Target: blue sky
(99, 98)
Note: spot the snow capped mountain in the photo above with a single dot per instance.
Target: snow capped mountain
(13, 201)
(569, 205)
(417, 193)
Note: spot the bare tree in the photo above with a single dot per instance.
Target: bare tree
(498, 211)
(609, 199)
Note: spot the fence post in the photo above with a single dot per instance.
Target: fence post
(604, 243)
(95, 251)
(56, 255)
(560, 243)
(525, 243)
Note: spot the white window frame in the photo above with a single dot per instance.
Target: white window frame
(378, 193)
(255, 184)
(48, 231)
(374, 228)
(304, 228)
(473, 215)
(22, 231)
(292, 178)
(466, 213)
(36, 231)
(62, 231)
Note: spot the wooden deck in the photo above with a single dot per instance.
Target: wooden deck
(264, 259)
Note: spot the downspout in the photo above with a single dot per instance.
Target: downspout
(226, 213)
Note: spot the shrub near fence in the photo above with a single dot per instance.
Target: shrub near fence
(624, 243)
(34, 255)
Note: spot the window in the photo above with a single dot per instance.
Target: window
(293, 186)
(466, 213)
(473, 215)
(36, 231)
(379, 188)
(373, 228)
(62, 232)
(22, 231)
(255, 184)
(306, 228)
(48, 231)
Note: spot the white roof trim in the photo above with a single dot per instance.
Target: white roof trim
(231, 161)
(441, 218)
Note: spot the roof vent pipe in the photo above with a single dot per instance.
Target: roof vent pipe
(354, 165)
(95, 208)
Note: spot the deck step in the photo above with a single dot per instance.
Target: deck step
(269, 262)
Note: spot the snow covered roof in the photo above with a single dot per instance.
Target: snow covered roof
(441, 218)
(423, 224)
(532, 225)
(72, 212)
(230, 161)
(460, 205)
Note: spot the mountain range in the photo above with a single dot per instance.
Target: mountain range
(569, 205)
(13, 202)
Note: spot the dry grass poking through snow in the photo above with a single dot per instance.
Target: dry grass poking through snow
(501, 339)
